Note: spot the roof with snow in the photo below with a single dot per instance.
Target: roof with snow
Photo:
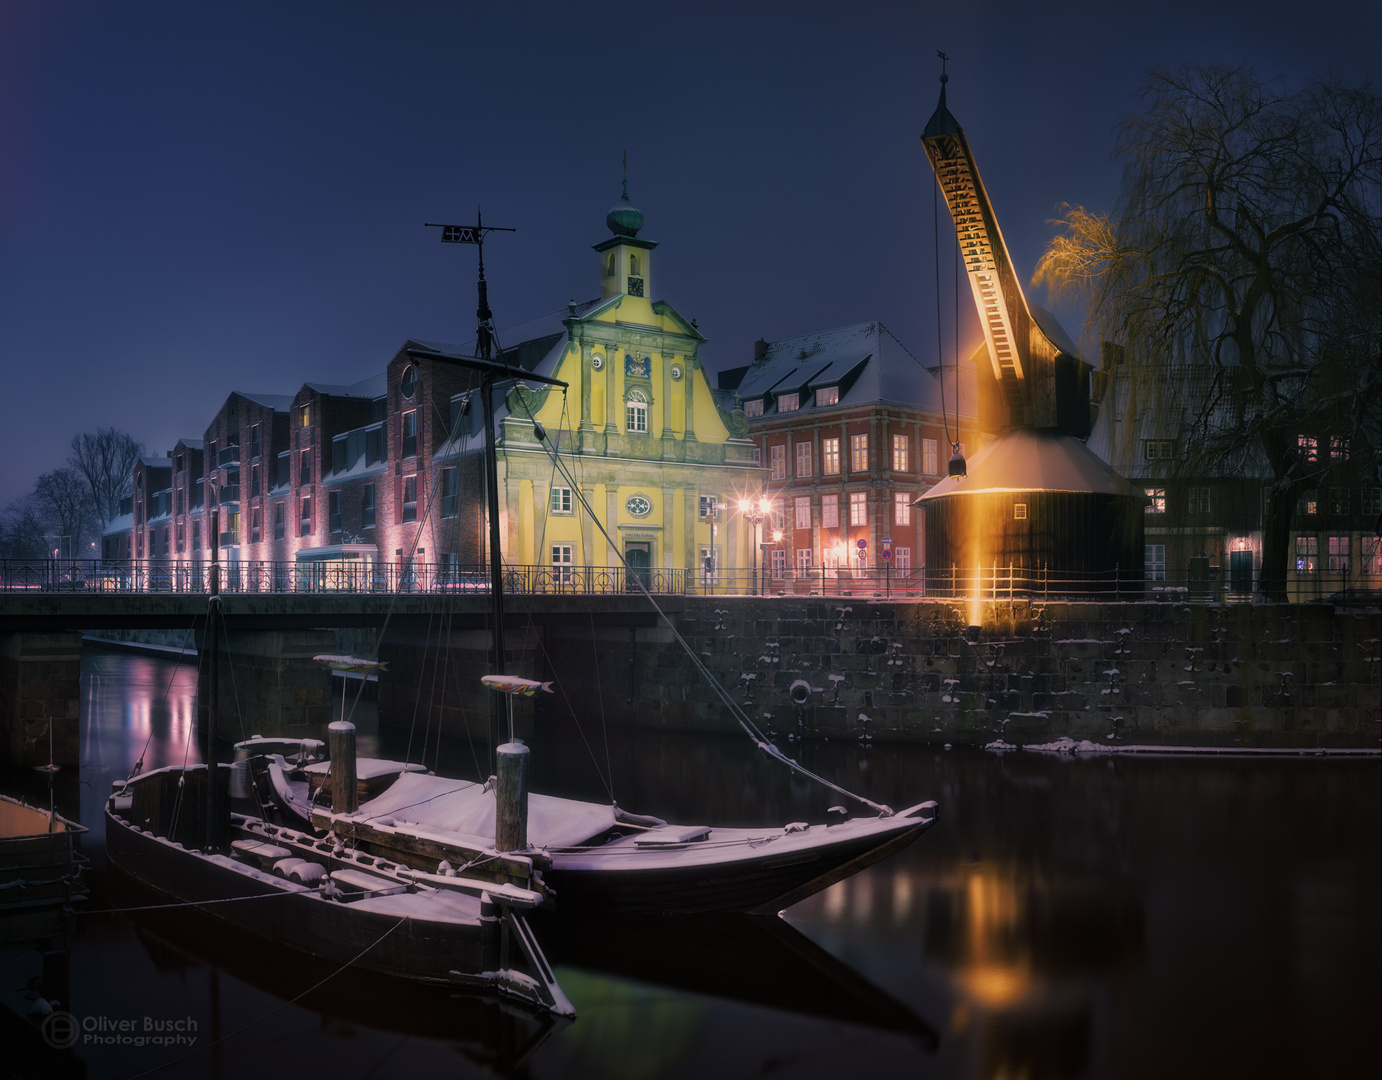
(276, 402)
(372, 387)
(866, 362)
(1034, 460)
(122, 524)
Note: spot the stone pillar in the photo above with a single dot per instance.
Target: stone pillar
(40, 695)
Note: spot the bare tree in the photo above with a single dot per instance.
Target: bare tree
(21, 530)
(1245, 244)
(106, 459)
(63, 501)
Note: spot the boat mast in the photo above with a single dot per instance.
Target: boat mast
(212, 824)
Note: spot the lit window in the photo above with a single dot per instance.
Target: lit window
(858, 508)
(561, 500)
(753, 407)
(858, 453)
(1154, 562)
(410, 498)
(788, 402)
(803, 562)
(902, 508)
(1307, 552)
(1338, 554)
(827, 395)
(1338, 447)
(304, 416)
(1157, 500)
(305, 518)
(779, 563)
(1019, 511)
(802, 512)
(450, 492)
(830, 457)
(830, 511)
(803, 459)
(1309, 447)
(1309, 503)
(777, 461)
(1199, 500)
(929, 464)
(1338, 500)
(638, 414)
(409, 419)
(1370, 555)
(901, 455)
(561, 562)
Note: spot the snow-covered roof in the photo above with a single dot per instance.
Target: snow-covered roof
(276, 402)
(866, 361)
(372, 387)
(193, 444)
(1025, 460)
(156, 462)
(122, 524)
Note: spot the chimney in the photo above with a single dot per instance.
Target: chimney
(760, 349)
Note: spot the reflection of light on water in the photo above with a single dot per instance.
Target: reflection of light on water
(137, 716)
(836, 897)
(902, 896)
(863, 898)
(996, 985)
(991, 915)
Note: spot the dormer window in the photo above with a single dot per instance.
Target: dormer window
(753, 407)
(827, 395)
(788, 402)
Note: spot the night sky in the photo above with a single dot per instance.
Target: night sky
(200, 197)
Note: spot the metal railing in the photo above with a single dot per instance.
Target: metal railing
(358, 576)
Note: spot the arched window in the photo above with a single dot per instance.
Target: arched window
(609, 266)
(638, 413)
(633, 266)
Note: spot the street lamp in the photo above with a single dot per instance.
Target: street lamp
(754, 513)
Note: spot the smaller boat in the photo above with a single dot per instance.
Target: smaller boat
(40, 869)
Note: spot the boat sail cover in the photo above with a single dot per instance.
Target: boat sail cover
(443, 805)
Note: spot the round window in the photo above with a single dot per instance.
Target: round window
(638, 506)
(409, 382)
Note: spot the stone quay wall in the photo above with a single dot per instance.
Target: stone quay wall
(1176, 674)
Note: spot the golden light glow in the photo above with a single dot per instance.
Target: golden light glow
(745, 506)
(765, 504)
(777, 536)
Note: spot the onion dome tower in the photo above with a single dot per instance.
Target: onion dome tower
(625, 260)
(1035, 506)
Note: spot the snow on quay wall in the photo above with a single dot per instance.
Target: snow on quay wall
(1146, 674)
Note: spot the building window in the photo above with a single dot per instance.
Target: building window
(281, 462)
(902, 559)
(777, 515)
(409, 498)
(830, 457)
(304, 467)
(753, 407)
(709, 507)
(561, 562)
(1372, 501)
(779, 563)
(255, 444)
(410, 433)
(901, 454)
(788, 402)
(858, 453)
(827, 395)
(450, 492)
(902, 508)
(1308, 447)
(1199, 500)
(1019, 511)
(231, 535)
(758, 455)
(166, 531)
(561, 500)
(367, 507)
(804, 456)
(181, 537)
(858, 508)
(1338, 448)
(255, 520)
(777, 460)
(1307, 552)
(305, 517)
(1154, 562)
(830, 511)
(1338, 500)
(928, 457)
(1156, 500)
(1338, 554)
(1370, 555)
(278, 521)
(196, 536)
(1158, 449)
(254, 481)
(637, 414)
(333, 506)
(1309, 503)
(803, 562)
(801, 512)
(304, 416)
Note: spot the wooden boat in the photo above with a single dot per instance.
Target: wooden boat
(40, 869)
(177, 833)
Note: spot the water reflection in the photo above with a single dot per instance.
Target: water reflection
(1164, 916)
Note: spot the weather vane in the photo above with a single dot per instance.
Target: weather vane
(475, 234)
(944, 77)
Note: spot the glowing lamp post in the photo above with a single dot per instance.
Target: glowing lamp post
(754, 513)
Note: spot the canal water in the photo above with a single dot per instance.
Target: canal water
(1067, 917)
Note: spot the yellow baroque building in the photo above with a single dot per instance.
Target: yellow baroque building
(640, 438)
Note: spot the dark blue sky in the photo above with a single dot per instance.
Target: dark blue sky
(200, 197)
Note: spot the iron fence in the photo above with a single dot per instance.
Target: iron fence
(351, 576)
